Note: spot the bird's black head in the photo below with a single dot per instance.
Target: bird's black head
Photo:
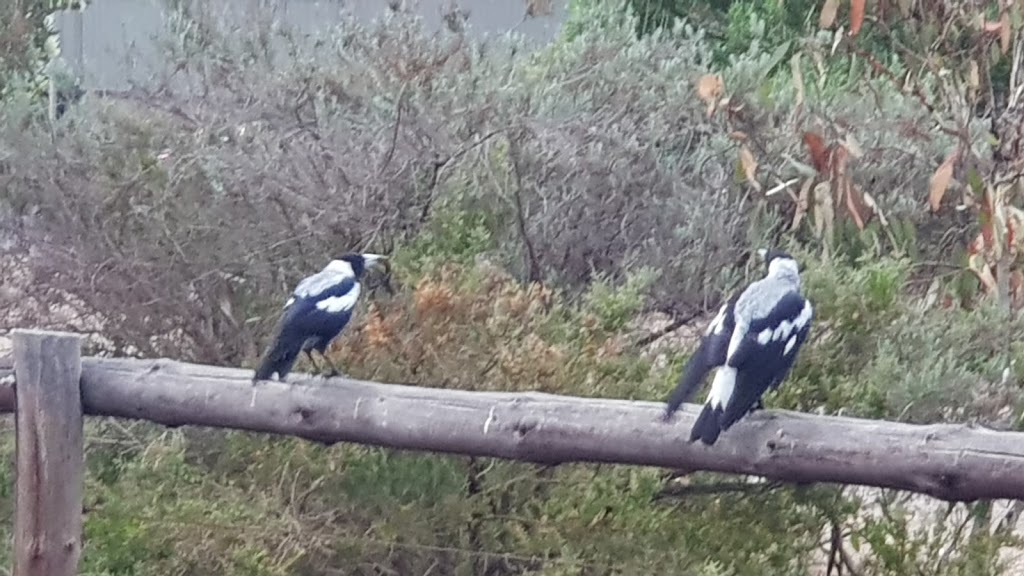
(360, 262)
(771, 254)
(780, 258)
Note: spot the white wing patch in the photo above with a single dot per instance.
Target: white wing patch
(718, 323)
(789, 345)
(343, 303)
(805, 315)
(289, 302)
(722, 387)
(786, 327)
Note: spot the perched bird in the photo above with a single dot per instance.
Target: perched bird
(319, 308)
(753, 342)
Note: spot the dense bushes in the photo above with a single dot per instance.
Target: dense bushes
(537, 208)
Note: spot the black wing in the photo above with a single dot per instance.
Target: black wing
(304, 319)
(766, 354)
(711, 353)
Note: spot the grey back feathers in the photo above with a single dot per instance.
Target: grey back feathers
(335, 272)
(761, 296)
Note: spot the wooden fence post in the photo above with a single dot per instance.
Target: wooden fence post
(48, 483)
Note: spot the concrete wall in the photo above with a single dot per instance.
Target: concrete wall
(113, 42)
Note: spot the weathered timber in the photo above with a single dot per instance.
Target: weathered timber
(48, 484)
(952, 462)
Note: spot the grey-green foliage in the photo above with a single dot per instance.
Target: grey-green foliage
(182, 222)
(881, 350)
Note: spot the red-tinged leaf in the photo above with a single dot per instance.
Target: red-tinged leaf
(819, 152)
(1017, 289)
(940, 181)
(828, 14)
(844, 192)
(976, 246)
(856, 16)
(986, 216)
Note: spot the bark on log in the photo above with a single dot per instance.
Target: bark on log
(952, 462)
(48, 485)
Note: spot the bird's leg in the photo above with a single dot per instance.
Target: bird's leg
(309, 354)
(334, 369)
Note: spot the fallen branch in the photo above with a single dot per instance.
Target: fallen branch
(950, 462)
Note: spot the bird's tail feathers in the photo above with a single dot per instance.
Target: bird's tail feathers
(706, 427)
(696, 368)
(709, 423)
(278, 358)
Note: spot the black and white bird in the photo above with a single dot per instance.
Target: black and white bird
(319, 308)
(753, 342)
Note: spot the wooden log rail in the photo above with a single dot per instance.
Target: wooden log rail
(953, 462)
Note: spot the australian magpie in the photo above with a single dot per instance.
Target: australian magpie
(752, 341)
(319, 308)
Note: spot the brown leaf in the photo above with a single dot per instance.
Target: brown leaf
(940, 181)
(709, 89)
(1015, 229)
(823, 212)
(981, 268)
(1004, 32)
(749, 167)
(828, 14)
(1017, 289)
(856, 16)
(973, 75)
(859, 209)
(843, 190)
(986, 214)
(802, 203)
(992, 27)
(819, 152)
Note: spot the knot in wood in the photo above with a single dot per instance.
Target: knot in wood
(524, 426)
(303, 413)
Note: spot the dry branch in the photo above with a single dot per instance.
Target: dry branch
(950, 462)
